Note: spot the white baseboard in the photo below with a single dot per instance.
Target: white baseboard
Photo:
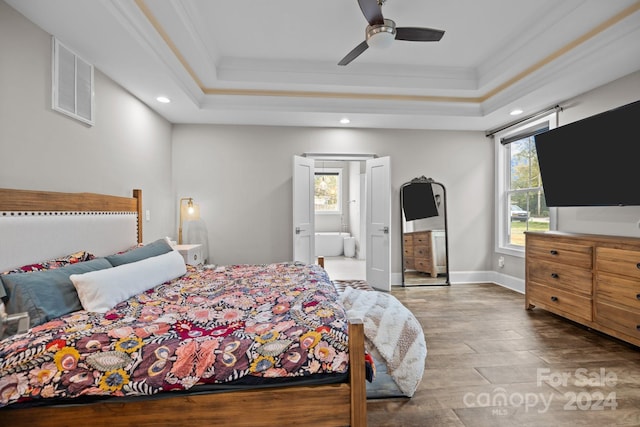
(471, 277)
(509, 282)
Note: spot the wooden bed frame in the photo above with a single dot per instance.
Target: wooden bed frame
(319, 405)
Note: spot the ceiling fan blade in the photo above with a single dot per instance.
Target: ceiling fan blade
(372, 11)
(418, 34)
(354, 53)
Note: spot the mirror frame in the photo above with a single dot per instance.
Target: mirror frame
(424, 180)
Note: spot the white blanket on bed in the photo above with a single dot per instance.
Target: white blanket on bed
(394, 331)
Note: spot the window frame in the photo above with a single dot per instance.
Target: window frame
(330, 171)
(503, 173)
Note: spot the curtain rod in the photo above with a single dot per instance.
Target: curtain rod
(339, 156)
(524, 119)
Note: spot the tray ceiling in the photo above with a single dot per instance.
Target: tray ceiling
(275, 63)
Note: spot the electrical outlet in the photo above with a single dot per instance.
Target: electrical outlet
(148, 215)
(501, 262)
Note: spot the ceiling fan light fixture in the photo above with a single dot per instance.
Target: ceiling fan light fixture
(381, 32)
(381, 36)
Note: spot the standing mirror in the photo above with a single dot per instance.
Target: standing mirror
(423, 213)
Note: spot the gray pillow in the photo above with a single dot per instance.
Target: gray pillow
(48, 294)
(159, 247)
(3, 293)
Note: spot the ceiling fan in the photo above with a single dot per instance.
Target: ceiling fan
(381, 32)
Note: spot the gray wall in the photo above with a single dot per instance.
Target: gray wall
(129, 146)
(241, 176)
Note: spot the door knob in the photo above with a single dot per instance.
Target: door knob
(385, 229)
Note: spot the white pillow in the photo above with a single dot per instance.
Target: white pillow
(101, 290)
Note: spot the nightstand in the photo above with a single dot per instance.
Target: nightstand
(192, 254)
(18, 321)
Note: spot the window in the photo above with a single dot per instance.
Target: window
(327, 197)
(520, 204)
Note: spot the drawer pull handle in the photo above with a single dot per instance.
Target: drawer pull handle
(638, 297)
(555, 299)
(554, 275)
(638, 265)
(554, 252)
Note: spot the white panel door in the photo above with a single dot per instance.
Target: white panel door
(303, 210)
(378, 203)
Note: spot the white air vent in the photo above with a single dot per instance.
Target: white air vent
(72, 84)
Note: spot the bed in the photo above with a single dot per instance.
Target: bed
(114, 351)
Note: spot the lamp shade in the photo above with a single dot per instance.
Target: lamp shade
(189, 211)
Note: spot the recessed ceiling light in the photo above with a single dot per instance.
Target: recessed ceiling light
(516, 111)
(163, 99)
(345, 121)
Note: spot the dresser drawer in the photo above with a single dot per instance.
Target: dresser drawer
(422, 238)
(558, 276)
(618, 318)
(422, 251)
(559, 301)
(618, 290)
(566, 253)
(407, 240)
(618, 261)
(409, 264)
(423, 265)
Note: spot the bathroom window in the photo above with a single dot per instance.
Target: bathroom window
(328, 194)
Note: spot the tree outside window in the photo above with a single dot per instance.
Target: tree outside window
(327, 195)
(526, 203)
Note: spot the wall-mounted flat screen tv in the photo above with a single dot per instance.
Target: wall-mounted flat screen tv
(594, 161)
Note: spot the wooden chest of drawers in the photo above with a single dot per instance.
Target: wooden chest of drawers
(591, 279)
(424, 251)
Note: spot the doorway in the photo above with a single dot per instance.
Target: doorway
(374, 196)
(340, 222)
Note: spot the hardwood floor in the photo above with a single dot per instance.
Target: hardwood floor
(492, 363)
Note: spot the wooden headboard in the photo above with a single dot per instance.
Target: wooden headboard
(36, 225)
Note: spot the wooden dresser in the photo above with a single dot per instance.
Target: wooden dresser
(591, 279)
(424, 251)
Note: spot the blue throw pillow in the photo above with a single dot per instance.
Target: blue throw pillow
(159, 247)
(48, 294)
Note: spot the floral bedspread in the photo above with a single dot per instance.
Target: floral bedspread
(209, 326)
